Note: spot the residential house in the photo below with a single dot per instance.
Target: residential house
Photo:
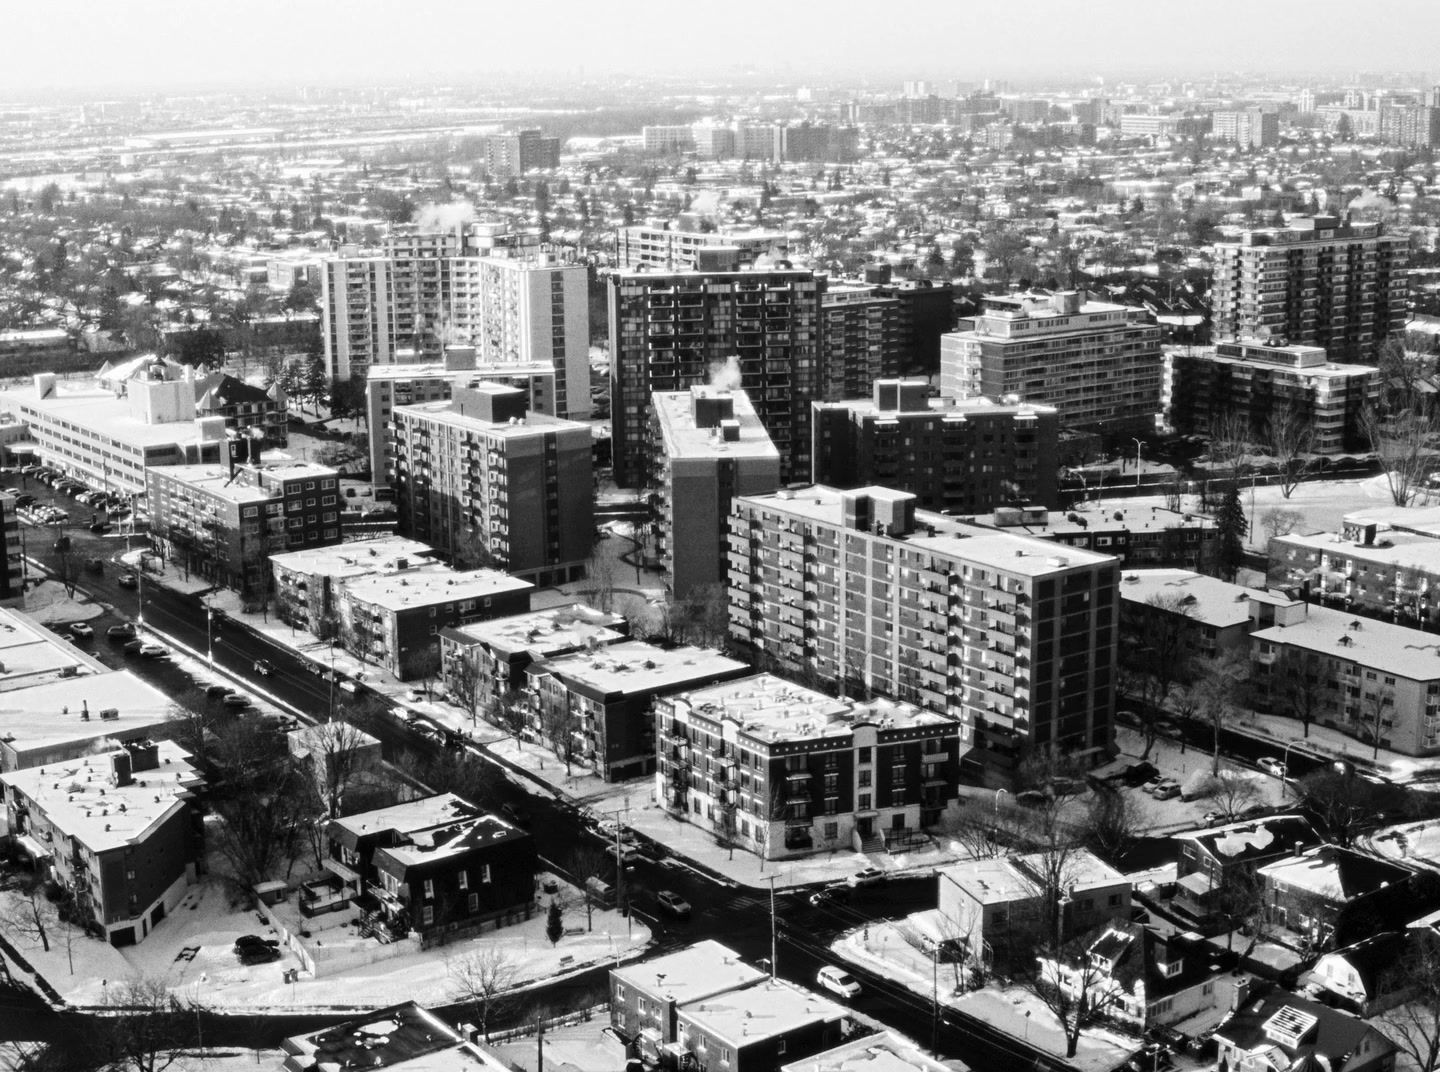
(644, 996)
(400, 1038)
(1215, 864)
(597, 707)
(1331, 896)
(438, 866)
(758, 1028)
(118, 831)
(1369, 976)
(1281, 1032)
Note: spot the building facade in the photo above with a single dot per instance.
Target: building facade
(307, 584)
(1260, 384)
(708, 447)
(1098, 364)
(1249, 128)
(1013, 635)
(781, 770)
(507, 155)
(485, 482)
(861, 336)
(956, 457)
(671, 249)
(1318, 282)
(758, 330)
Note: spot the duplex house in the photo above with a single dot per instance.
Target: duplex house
(1284, 1033)
(1214, 862)
(437, 866)
(644, 997)
(1330, 896)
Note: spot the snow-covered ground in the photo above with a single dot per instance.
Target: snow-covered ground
(882, 948)
(1168, 816)
(192, 951)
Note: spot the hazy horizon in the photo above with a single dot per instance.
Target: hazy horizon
(158, 45)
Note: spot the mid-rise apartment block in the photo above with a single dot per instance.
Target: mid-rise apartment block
(1013, 635)
(307, 583)
(709, 447)
(956, 457)
(670, 249)
(12, 576)
(1249, 128)
(758, 330)
(484, 481)
(860, 341)
(1259, 383)
(121, 834)
(390, 386)
(1098, 364)
(425, 291)
(782, 770)
(521, 151)
(596, 708)
(224, 522)
(1318, 282)
(1135, 535)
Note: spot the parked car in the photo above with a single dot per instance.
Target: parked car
(263, 667)
(1168, 789)
(252, 949)
(1154, 783)
(95, 565)
(235, 701)
(870, 876)
(838, 981)
(100, 528)
(629, 852)
(134, 647)
(128, 580)
(1166, 728)
(835, 893)
(1271, 765)
(81, 629)
(671, 902)
(1138, 774)
(216, 692)
(121, 632)
(154, 651)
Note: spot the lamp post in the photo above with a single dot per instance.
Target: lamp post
(1138, 445)
(210, 633)
(995, 827)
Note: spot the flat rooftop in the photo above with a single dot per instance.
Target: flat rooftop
(765, 1010)
(1329, 370)
(409, 816)
(356, 558)
(885, 1052)
(993, 881)
(32, 655)
(690, 974)
(1401, 549)
(413, 588)
(1131, 519)
(634, 666)
(406, 1037)
(771, 709)
(48, 715)
(533, 423)
(554, 631)
(100, 409)
(948, 409)
(1211, 601)
(675, 414)
(1390, 649)
(437, 370)
(216, 480)
(80, 798)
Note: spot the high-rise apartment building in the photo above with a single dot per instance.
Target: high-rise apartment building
(12, 576)
(1317, 282)
(860, 341)
(669, 332)
(675, 250)
(709, 447)
(519, 152)
(1098, 364)
(957, 457)
(1249, 128)
(423, 293)
(1012, 634)
(1258, 384)
(485, 482)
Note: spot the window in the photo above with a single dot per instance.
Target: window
(864, 778)
(472, 903)
(429, 889)
(130, 874)
(310, 502)
(427, 915)
(865, 755)
(327, 500)
(864, 802)
(832, 831)
(464, 880)
(309, 485)
(780, 1045)
(251, 511)
(485, 873)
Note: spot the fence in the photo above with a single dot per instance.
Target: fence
(579, 1016)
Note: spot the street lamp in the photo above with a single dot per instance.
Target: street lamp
(210, 633)
(995, 828)
(1138, 445)
(1285, 762)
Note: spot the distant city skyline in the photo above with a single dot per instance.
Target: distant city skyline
(165, 45)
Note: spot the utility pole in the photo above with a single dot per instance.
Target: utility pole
(935, 1001)
(774, 945)
(539, 1045)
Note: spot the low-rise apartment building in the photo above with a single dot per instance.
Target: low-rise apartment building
(1013, 635)
(437, 866)
(1137, 536)
(307, 583)
(956, 457)
(708, 446)
(758, 1028)
(394, 619)
(781, 770)
(63, 719)
(224, 522)
(596, 708)
(644, 997)
(1372, 680)
(1260, 384)
(1214, 617)
(486, 482)
(491, 656)
(117, 831)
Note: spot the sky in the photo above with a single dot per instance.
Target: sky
(86, 45)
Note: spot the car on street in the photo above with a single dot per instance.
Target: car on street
(81, 629)
(671, 902)
(154, 651)
(235, 701)
(835, 893)
(838, 981)
(1166, 728)
(125, 631)
(132, 647)
(100, 528)
(1271, 765)
(1154, 783)
(628, 852)
(870, 876)
(1168, 789)
(263, 667)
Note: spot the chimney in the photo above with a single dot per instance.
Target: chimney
(711, 407)
(120, 768)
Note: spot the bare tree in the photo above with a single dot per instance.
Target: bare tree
(600, 571)
(261, 801)
(338, 754)
(1112, 823)
(1230, 443)
(1157, 637)
(421, 664)
(584, 863)
(1401, 442)
(1233, 792)
(559, 724)
(1414, 1024)
(481, 982)
(1076, 987)
(191, 717)
(28, 917)
(464, 682)
(144, 1029)
(1277, 521)
(1302, 689)
(1290, 438)
(1218, 682)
